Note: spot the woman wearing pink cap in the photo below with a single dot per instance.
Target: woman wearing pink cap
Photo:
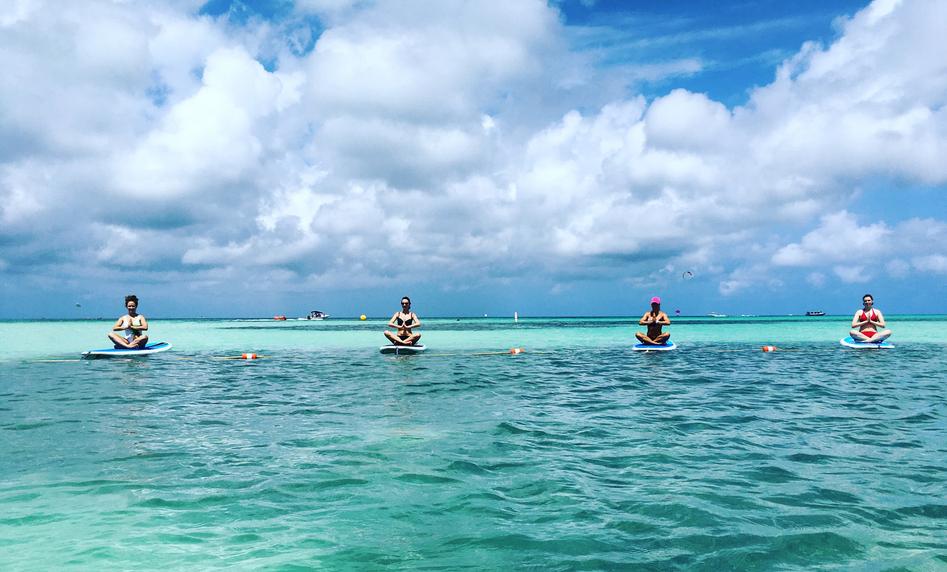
(655, 319)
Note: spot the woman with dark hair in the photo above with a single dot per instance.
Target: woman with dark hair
(868, 325)
(655, 319)
(129, 330)
(404, 321)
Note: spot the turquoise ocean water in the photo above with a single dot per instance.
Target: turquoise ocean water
(577, 455)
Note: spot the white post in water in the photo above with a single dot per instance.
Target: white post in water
(516, 316)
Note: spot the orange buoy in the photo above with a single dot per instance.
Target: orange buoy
(769, 348)
(516, 351)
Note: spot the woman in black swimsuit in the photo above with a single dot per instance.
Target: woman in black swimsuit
(404, 322)
(655, 320)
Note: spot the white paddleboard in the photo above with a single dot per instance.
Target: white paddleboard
(401, 350)
(851, 343)
(115, 352)
(666, 347)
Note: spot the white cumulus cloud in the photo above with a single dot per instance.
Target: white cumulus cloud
(463, 136)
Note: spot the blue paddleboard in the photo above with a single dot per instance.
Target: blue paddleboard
(666, 347)
(851, 343)
(401, 350)
(115, 352)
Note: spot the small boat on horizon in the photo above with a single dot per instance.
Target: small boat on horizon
(716, 315)
(316, 315)
(815, 313)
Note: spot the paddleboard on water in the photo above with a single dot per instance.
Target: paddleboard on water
(666, 347)
(401, 350)
(851, 343)
(115, 352)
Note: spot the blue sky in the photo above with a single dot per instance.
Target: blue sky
(237, 158)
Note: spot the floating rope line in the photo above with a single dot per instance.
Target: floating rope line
(509, 352)
(765, 349)
(246, 356)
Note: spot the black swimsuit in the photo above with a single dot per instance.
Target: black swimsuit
(405, 323)
(654, 329)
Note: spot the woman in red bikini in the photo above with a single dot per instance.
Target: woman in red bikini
(869, 323)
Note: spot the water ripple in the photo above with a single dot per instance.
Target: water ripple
(709, 458)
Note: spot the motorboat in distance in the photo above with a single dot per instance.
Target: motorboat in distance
(815, 313)
(316, 315)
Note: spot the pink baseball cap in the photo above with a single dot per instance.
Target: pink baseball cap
(655, 300)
